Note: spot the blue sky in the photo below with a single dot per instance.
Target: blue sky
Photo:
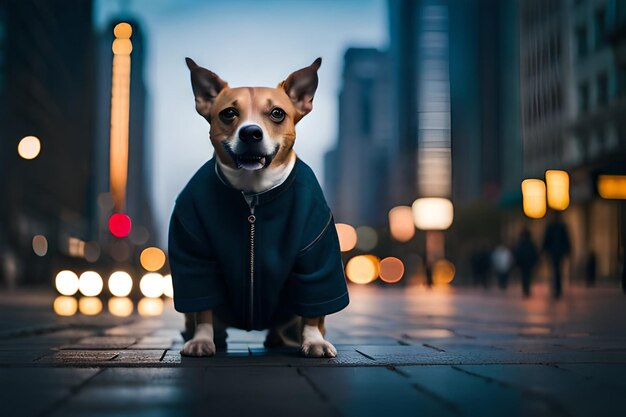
(255, 43)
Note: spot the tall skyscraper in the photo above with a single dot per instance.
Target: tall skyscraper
(46, 91)
(356, 171)
(573, 106)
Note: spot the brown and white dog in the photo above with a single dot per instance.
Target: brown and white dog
(268, 117)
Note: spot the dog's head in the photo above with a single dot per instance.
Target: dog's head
(253, 127)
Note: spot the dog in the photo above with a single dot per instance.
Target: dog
(252, 242)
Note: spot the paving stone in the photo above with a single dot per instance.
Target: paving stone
(144, 376)
(72, 357)
(153, 342)
(137, 357)
(102, 343)
(373, 391)
(570, 392)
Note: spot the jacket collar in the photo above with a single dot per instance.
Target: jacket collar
(263, 196)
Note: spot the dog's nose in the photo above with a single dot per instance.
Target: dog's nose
(251, 134)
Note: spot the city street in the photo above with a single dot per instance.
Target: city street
(442, 352)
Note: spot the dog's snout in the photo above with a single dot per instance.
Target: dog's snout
(251, 134)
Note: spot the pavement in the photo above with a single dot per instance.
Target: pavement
(402, 352)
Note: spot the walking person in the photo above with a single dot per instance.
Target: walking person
(502, 260)
(556, 244)
(526, 256)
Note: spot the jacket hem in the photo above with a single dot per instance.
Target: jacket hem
(323, 308)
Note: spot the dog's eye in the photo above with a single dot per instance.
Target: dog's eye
(277, 114)
(229, 114)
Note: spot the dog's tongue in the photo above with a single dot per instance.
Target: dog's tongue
(251, 164)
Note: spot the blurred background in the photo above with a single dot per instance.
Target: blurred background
(458, 142)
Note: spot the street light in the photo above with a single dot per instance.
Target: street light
(401, 224)
(433, 213)
(534, 198)
(557, 184)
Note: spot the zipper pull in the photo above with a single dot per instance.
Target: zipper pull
(252, 218)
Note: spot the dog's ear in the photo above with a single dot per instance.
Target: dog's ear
(300, 87)
(206, 86)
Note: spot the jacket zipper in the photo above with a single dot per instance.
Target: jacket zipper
(251, 221)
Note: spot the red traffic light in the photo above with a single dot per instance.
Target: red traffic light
(119, 225)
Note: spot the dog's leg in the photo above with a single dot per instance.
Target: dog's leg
(313, 343)
(202, 342)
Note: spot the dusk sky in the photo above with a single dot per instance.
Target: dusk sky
(256, 43)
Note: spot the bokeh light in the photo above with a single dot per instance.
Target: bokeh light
(29, 147)
(92, 251)
(347, 236)
(557, 184)
(168, 288)
(120, 225)
(367, 238)
(122, 47)
(433, 213)
(391, 270)
(65, 306)
(401, 225)
(119, 250)
(90, 306)
(151, 285)
(90, 284)
(612, 187)
(40, 245)
(66, 282)
(120, 284)
(149, 307)
(120, 306)
(443, 272)
(534, 198)
(152, 259)
(123, 30)
(362, 269)
(139, 235)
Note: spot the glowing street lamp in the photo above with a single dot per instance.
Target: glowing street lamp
(347, 236)
(401, 224)
(120, 110)
(433, 213)
(557, 184)
(534, 198)
(612, 187)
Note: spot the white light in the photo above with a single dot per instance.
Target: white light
(29, 147)
(90, 284)
(120, 284)
(66, 282)
(433, 213)
(151, 285)
(168, 288)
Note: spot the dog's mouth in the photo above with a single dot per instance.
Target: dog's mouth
(251, 161)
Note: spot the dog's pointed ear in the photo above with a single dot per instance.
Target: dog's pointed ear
(206, 86)
(300, 86)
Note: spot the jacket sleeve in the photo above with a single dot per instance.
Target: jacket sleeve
(317, 281)
(196, 277)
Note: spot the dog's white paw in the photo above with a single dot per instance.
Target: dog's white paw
(318, 349)
(198, 347)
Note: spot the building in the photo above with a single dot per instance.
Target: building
(356, 170)
(138, 202)
(46, 90)
(573, 99)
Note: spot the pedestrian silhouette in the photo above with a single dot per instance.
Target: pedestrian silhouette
(502, 260)
(526, 256)
(556, 245)
(590, 269)
(481, 264)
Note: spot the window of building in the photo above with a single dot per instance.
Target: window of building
(581, 42)
(603, 89)
(583, 97)
(599, 20)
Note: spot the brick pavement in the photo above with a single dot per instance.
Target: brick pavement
(401, 352)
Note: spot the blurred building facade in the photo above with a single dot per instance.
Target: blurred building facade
(55, 84)
(356, 171)
(573, 99)
(46, 90)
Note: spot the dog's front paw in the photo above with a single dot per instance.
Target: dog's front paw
(318, 349)
(198, 347)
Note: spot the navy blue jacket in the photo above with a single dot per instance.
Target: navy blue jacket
(255, 263)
